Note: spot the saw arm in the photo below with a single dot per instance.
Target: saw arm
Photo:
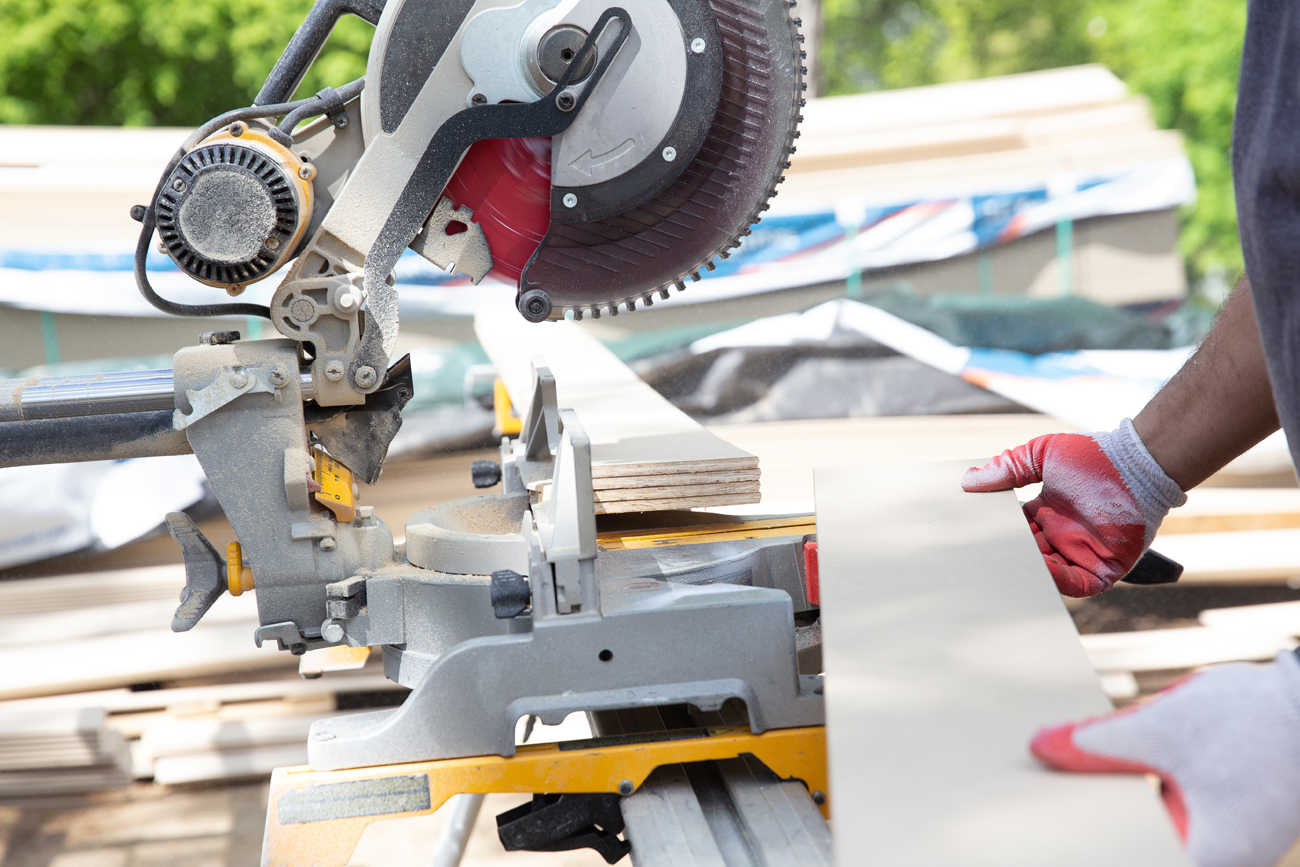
(669, 123)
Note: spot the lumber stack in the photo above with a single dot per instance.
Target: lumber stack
(97, 630)
(925, 140)
(646, 455)
(93, 693)
(1241, 633)
(60, 750)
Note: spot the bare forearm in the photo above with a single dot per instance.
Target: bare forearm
(1218, 405)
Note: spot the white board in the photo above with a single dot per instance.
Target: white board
(946, 648)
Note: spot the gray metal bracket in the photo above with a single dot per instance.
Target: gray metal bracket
(205, 572)
(541, 428)
(228, 384)
(566, 520)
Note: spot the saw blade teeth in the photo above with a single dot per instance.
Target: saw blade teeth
(791, 96)
(577, 314)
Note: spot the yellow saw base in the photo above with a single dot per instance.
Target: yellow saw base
(315, 818)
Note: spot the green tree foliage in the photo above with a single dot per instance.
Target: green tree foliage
(1181, 54)
(1185, 57)
(163, 62)
(153, 62)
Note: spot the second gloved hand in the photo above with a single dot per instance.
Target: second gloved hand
(1103, 499)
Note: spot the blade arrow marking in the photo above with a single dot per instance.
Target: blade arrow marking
(587, 163)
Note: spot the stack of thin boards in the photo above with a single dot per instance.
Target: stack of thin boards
(923, 142)
(60, 750)
(94, 691)
(646, 455)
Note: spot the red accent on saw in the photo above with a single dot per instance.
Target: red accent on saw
(506, 182)
(812, 572)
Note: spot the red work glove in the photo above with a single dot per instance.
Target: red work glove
(1103, 499)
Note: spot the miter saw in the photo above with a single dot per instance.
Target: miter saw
(598, 155)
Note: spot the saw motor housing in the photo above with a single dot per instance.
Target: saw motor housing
(236, 208)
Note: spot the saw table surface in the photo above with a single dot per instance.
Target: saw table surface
(946, 648)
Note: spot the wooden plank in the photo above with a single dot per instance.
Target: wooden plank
(1245, 556)
(655, 480)
(635, 433)
(946, 647)
(636, 470)
(941, 175)
(1220, 510)
(135, 657)
(1186, 647)
(681, 502)
(1279, 617)
(128, 702)
(673, 492)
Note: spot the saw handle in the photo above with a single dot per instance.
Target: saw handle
(1153, 568)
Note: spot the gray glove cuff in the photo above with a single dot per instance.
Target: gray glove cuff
(1154, 491)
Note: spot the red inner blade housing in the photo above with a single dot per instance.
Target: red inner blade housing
(506, 182)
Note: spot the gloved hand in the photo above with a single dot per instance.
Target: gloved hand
(1225, 743)
(1103, 499)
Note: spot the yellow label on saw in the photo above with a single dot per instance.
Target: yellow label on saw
(335, 482)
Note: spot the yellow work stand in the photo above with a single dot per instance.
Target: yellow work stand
(315, 818)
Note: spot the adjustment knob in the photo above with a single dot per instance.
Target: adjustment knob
(485, 474)
(510, 594)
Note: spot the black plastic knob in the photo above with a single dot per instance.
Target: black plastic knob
(535, 305)
(485, 474)
(510, 594)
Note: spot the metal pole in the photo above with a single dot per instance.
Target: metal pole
(455, 833)
(133, 391)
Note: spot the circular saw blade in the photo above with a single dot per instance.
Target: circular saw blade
(602, 266)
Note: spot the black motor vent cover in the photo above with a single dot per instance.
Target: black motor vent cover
(227, 214)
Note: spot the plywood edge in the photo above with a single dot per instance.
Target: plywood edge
(673, 503)
(749, 489)
(674, 480)
(613, 470)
